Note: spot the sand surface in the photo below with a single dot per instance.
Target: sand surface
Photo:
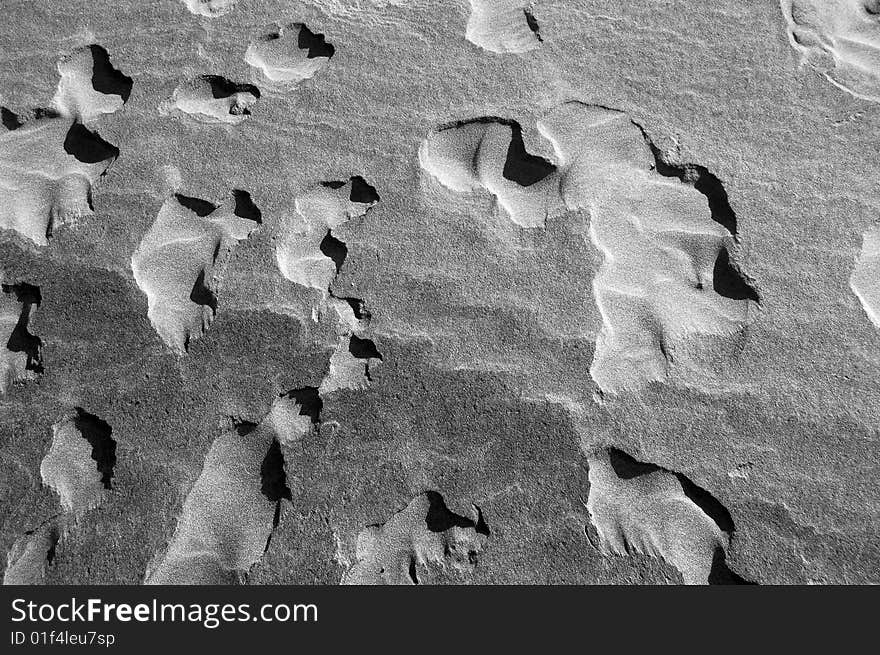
(415, 292)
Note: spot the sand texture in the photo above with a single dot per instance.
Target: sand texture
(415, 292)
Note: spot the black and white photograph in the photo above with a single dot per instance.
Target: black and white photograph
(466, 293)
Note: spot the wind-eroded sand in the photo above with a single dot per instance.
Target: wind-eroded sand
(80, 461)
(865, 278)
(20, 357)
(603, 229)
(286, 55)
(228, 516)
(840, 39)
(644, 509)
(423, 534)
(212, 99)
(178, 265)
(659, 243)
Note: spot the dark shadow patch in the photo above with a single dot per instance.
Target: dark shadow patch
(21, 340)
(245, 206)
(521, 167)
(481, 526)
(224, 88)
(532, 22)
(334, 184)
(107, 79)
(99, 434)
(87, 146)
(316, 45)
(198, 206)
(334, 249)
(627, 467)
(708, 503)
(273, 479)
(362, 191)
(244, 428)
(310, 403)
(54, 538)
(358, 308)
(413, 573)
(701, 179)
(729, 282)
(201, 294)
(440, 518)
(10, 119)
(721, 574)
(45, 112)
(363, 348)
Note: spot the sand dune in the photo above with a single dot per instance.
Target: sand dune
(310, 255)
(90, 86)
(503, 26)
(350, 365)
(179, 262)
(306, 251)
(48, 167)
(31, 553)
(840, 39)
(287, 55)
(80, 461)
(209, 8)
(642, 508)
(425, 533)
(230, 513)
(660, 245)
(489, 154)
(865, 278)
(212, 99)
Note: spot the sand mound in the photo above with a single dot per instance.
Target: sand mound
(209, 8)
(230, 513)
(90, 86)
(31, 553)
(287, 55)
(21, 359)
(642, 508)
(840, 39)
(79, 464)
(179, 262)
(212, 99)
(503, 26)
(350, 365)
(425, 533)
(306, 250)
(865, 278)
(48, 167)
(663, 252)
(489, 154)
